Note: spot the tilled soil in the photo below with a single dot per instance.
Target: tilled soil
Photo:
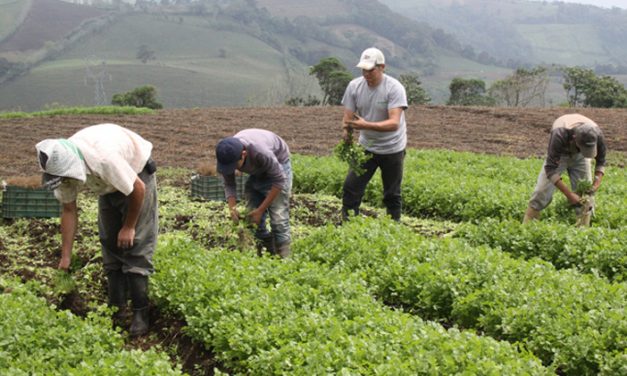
(187, 137)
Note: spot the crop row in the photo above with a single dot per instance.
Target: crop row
(575, 323)
(594, 250)
(262, 315)
(35, 339)
(466, 187)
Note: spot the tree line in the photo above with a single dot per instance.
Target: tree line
(525, 87)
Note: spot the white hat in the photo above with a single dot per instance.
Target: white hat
(60, 158)
(371, 57)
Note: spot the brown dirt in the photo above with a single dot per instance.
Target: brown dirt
(186, 137)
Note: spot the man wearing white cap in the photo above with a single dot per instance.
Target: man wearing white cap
(374, 104)
(573, 138)
(115, 163)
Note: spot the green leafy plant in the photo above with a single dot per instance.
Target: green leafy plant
(584, 187)
(63, 282)
(352, 153)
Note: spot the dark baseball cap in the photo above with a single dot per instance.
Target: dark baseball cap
(228, 153)
(586, 136)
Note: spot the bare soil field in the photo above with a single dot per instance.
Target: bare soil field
(187, 137)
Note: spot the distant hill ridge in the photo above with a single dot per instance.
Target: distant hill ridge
(258, 52)
(47, 21)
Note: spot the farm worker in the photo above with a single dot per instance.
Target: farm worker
(266, 158)
(573, 138)
(115, 163)
(374, 104)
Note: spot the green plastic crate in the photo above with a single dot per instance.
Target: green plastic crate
(19, 202)
(212, 187)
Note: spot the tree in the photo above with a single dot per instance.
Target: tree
(576, 81)
(415, 93)
(144, 53)
(143, 96)
(333, 77)
(469, 92)
(606, 92)
(584, 88)
(523, 88)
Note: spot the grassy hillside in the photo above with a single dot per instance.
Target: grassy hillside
(529, 31)
(46, 21)
(570, 45)
(12, 13)
(214, 68)
(232, 53)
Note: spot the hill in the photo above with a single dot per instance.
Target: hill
(240, 54)
(187, 137)
(45, 21)
(258, 53)
(516, 32)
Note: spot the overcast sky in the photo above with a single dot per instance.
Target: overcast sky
(600, 3)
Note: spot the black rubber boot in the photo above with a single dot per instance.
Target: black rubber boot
(138, 287)
(117, 287)
(266, 242)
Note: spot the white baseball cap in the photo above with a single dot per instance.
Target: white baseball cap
(370, 58)
(60, 158)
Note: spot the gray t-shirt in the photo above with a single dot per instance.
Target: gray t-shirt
(373, 104)
(266, 153)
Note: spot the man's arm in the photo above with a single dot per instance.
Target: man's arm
(388, 125)
(232, 202)
(69, 223)
(256, 214)
(571, 196)
(349, 115)
(126, 236)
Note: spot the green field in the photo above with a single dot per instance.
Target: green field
(459, 286)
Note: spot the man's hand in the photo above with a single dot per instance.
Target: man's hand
(255, 216)
(574, 198)
(347, 133)
(64, 264)
(234, 215)
(596, 182)
(357, 122)
(126, 237)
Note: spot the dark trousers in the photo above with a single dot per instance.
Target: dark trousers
(391, 166)
(112, 209)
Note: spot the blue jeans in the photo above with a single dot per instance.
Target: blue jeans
(256, 190)
(391, 166)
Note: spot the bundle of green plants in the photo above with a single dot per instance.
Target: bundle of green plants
(351, 152)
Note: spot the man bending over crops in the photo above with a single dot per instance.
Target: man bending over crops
(115, 163)
(266, 158)
(374, 104)
(573, 138)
